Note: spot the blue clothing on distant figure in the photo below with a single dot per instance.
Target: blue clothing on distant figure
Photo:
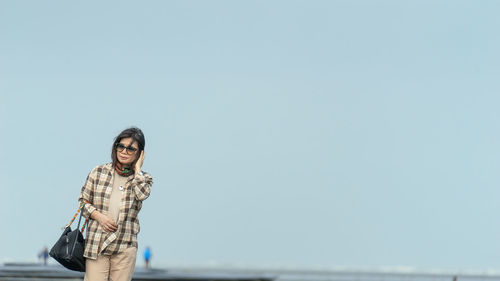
(147, 254)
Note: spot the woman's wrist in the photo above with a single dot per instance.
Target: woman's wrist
(96, 215)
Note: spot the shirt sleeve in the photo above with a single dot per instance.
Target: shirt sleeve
(142, 185)
(87, 195)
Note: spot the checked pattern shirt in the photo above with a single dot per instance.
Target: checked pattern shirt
(95, 194)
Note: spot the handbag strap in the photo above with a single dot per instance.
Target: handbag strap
(76, 214)
(79, 221)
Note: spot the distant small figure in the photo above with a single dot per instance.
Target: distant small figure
(44, 254)
(147, 256)
(455, 278)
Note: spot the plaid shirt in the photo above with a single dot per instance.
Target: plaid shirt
(97, 191)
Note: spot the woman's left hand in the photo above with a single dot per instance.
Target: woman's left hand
(138, 164)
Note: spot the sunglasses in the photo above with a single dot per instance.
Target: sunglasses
(130, 150)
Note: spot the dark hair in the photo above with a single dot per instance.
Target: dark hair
(136, 135)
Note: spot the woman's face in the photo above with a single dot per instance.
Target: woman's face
(125, 151)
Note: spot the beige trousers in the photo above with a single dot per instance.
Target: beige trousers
(118, 267)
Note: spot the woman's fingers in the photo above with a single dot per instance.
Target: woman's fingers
(110, 228)
(140, 161)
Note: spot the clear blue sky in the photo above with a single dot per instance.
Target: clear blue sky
(301, 133)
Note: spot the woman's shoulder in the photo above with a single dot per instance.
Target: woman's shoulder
(102, 168)
(146, 174)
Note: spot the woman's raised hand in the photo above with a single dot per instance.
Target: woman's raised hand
(138, 164)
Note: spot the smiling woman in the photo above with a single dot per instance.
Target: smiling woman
(113, 195)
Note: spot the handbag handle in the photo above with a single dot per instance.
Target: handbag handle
(79, 221)
(74, 217)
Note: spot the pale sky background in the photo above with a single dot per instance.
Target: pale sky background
(297, 133)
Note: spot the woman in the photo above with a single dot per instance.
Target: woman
(113, 195)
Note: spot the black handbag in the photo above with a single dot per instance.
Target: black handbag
(68, 250)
